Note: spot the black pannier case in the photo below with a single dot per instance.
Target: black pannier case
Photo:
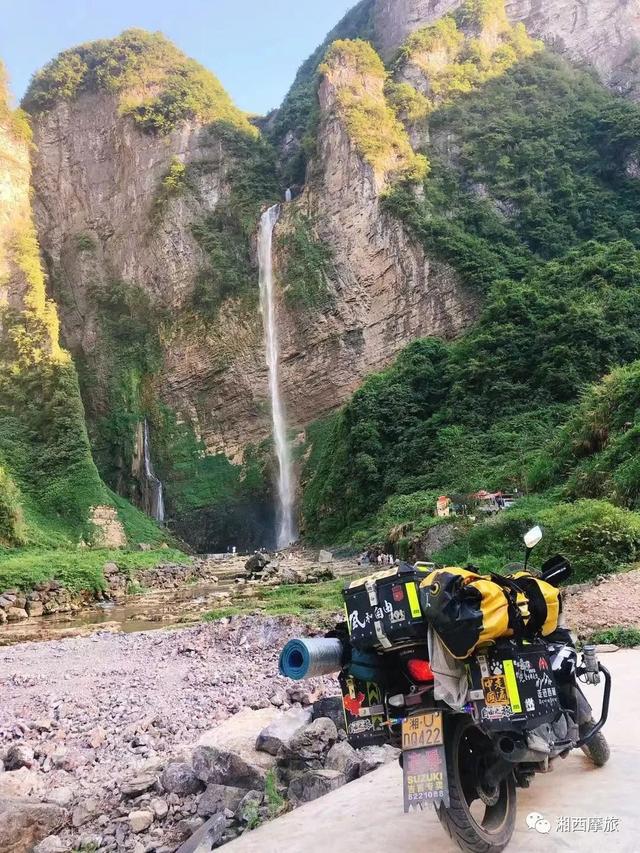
(384, 608)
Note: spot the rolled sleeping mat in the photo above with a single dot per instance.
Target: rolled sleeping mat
(311, 657)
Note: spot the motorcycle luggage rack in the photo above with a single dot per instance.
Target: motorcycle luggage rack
(605, 708)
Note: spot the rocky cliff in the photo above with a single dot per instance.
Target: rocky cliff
(603, 33)
(384, 291)
(137, 222)
(148, 187)
(104, 217)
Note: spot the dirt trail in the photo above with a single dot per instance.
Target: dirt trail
(615, 601)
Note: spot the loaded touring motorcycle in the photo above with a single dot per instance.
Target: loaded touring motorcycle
(474, 677)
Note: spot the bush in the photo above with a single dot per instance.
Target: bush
(133, 60)
(617, 636)
(596, 452)
(12, 528)
(15, 121)
(595, 536)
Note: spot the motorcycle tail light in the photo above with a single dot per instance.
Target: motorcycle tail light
(420, 670)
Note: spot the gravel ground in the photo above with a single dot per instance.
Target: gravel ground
(94, 708)
(615, 601)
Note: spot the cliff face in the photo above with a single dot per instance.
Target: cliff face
(103, 218)
(45, 459)
(603, 33)
(14, 206)
(385, 291)
(147, 198)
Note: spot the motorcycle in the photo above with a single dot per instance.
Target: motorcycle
(472, 733)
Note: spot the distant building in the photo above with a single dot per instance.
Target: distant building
(443, 507)
(484, 502)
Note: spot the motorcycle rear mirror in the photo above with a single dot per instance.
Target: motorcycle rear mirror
(532, 537)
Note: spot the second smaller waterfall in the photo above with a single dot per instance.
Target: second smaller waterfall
(154, 491)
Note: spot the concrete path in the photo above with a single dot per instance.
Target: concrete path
(366, 816)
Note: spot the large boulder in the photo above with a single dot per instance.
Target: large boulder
(18, 755)
(207, 837)
(217, 798)
(16, 614)
(218, 766)
(307, 749)
(332, 707)
(372, 757)
(179, 778)
(140, 820)
(23, 824)
(279, 733)
(256, 563)
(343, 757)
(19, 783)
(313, 784)
(51, 844)
(140, 781)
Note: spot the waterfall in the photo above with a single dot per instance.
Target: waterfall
(288, 194)
(286, 531)
(154, 497)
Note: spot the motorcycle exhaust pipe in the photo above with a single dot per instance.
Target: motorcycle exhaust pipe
(308, 658)
(516, 751)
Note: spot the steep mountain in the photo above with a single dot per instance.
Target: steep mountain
(147, 204)
(432, 195)
(532, 197)
(603, 33)
(50, 490)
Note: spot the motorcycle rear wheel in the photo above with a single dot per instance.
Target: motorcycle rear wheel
(478, 820)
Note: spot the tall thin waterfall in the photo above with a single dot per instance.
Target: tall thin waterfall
(155, 492)
(286, 528)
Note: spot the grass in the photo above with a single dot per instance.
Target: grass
(79, 570)
(303, 600)
(618, 636)
(275, 801)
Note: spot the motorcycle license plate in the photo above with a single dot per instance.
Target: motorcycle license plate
(422, 730)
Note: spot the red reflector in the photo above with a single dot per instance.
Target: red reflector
(420, 670)
(398, 593)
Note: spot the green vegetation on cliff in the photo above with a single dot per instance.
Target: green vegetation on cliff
(15, 121)
(48, 481)
(460, 53)
(128, 65)
(468, 414)
(226, 234)
(298, 115)
(378, 135)
(533, 198)
(307, 265)
(531, 165)
(596, 454)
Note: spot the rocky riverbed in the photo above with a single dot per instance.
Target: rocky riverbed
(88, 724)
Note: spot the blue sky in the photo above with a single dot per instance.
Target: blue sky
(254, 46)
